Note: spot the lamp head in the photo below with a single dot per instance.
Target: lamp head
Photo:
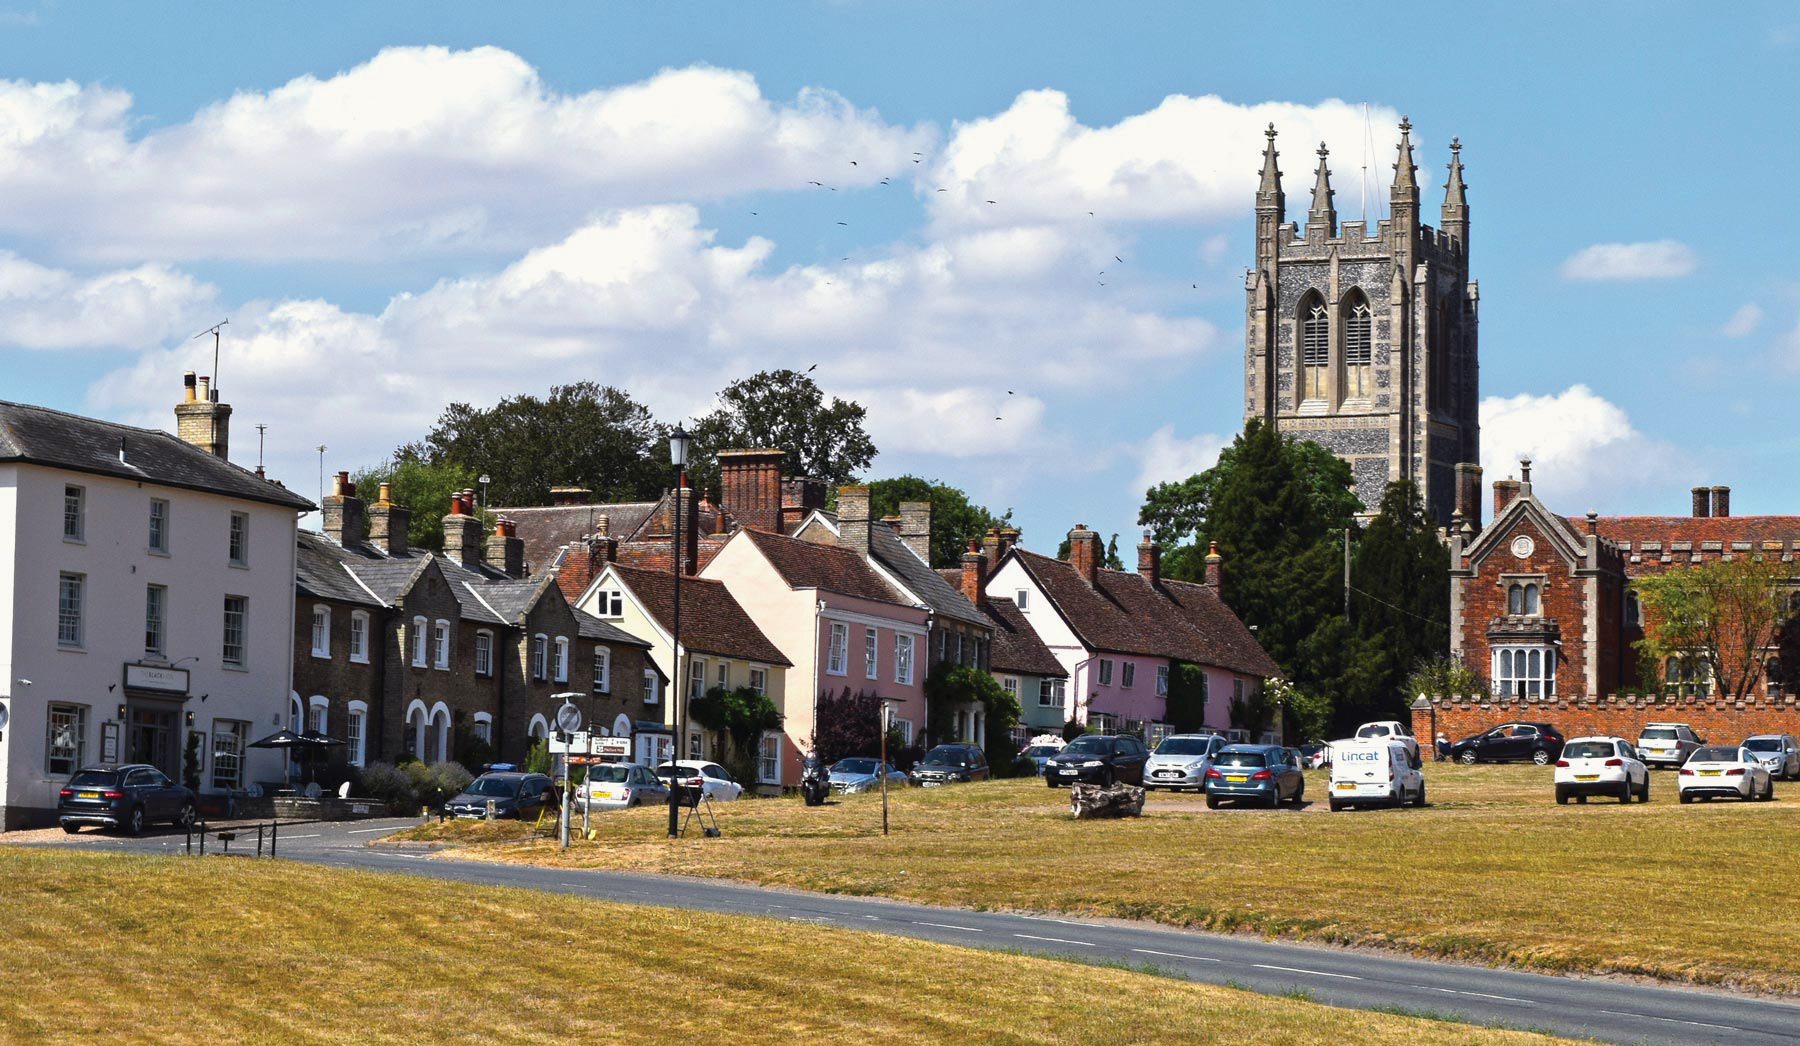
(678, 447)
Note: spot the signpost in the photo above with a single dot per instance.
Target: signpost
(882, 723)
(568, 723)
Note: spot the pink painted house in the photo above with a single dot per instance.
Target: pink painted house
(1118, 634)
(840, 624)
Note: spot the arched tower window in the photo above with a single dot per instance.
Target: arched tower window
(1315, 347)
(1359, 347)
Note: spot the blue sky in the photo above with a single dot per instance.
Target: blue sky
(399, 207)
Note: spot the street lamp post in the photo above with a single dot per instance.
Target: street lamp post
(678, 456)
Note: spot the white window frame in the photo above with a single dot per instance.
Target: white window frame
(609, 603)
(724, 674)
(759, 680)
(243, 632)
(237, 733)
(356, 732)
(359, 638)
(72, 718)
(1052, 692)
(237, 542)
(1022, 599)
(1127, 674)
(871, 654)
(440, 645)
(906, 731)
(837, 655)
(652, 687)
(1162, 680)
(74, 514)
(1010, 684)
(1508, 671)
(484, 652)
(540, 655)
(696, 678)
(768, 759)
(156, 620)
(561, 662)
(318, 714)
(481, 725)
(321, 630)
(71, 610)
(903, 658)
(418, 642)
(1105, 672)
(158, 536)
(602, 670)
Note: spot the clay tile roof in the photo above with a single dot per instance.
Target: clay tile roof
(803, 564)
(1125, 614)
(1667, 529)
(712, 621)
(1016, 646)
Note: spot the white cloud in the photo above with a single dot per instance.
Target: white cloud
(1651, 260)
(1187, 159)
(1743, 321)
(47, 308)
(1585, 453)
(1165, 458)
(418, 149)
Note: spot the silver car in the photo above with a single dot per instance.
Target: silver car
(1667, 744)
(863, 774)
(618, 786)
(1181, 761)
(1779, 752)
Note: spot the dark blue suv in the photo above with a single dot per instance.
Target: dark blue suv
(126, 796)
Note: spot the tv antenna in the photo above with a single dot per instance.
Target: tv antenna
(260, 430)
(214, 331)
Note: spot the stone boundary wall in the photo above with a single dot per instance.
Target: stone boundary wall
(1715, 719)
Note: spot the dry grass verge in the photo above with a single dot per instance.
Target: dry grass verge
(172, 950)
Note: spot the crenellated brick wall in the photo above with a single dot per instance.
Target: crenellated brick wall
(1715, 719)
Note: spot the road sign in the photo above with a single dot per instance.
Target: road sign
(568, 718)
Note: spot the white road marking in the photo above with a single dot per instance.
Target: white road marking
(969, 929)
(577, 886)
(365, 831)
(1313, 973)
(315, 835)
(1054, 940)
(1176, 955)
(1485, 995)
(410, 857)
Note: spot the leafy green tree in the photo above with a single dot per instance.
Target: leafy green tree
(1725, 614)
(1444, 676)
(738, 718)
(423, 488)
(955, 520)
(783, 410)
(950, 685)
(1186, 709)
(1399, 602)
(849, 724)
(581, 434)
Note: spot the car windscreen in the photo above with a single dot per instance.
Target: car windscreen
(1763, 744)
(854, 766)
(609, 773)
(1372, 731)
(90, 778)
(1589, 750)
(1182, 746)
(1658, 733)
(944, 755)
(1090, 746)
(1714, 755)
(1040, 751)
(499, 787)
(1230, 759)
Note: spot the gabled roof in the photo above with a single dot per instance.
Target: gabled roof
(319, 571)
(1123, 613)
(922, 582)
(1016, 646)
(41, 436)
(1570, 541)
(803, 564)
(712, 620)
(547, 528)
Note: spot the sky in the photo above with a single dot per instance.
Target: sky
(1016, 232)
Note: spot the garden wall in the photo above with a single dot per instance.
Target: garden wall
(1721, 720)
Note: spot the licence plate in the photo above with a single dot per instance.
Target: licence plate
(1346, 786)
(1168, 773)
(87, 795)
(1068, 773)
(1587, 777)
(1236, 780)
(1709, 773)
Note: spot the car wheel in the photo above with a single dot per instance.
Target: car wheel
(1644, 792)
(1394, 799)
(1274, 798)
(1300, 794)
(134, 821)
(1419, 800)
(185, 819)
(1468, 757)
(1107, 777)
(1049, 782)
(1581, 800)
(1684, 797)
(1562, 797)
(71, 828)
(1334, 804)
(1212, 802)
(1625, 791)
(1541, 757)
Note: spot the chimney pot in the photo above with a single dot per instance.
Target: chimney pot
(1150, 560)
(1214, 566)
(187, 383)
(1702, 501)
(974, 575)
(1721, 501)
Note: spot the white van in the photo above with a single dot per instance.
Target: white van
(1375, 772)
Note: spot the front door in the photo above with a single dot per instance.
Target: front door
(151, 738)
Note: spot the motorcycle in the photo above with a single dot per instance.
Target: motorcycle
(815, 781)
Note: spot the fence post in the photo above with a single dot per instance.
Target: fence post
(274, 835)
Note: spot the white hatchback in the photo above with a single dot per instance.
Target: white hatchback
(1721, 770)
(712, 777)
(1607, 766)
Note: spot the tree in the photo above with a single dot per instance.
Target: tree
(1724, 614)
(423, 488)
(1399, 603)
(955, 521)
(583, 434)
(783, 410)
(849, 724)
(1445, 676)
(1186, 707)
(950, 685)
(738, 718)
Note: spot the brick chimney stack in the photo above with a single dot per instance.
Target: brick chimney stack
(1506, 491)
(1084, 553)
(750, 487)
(388, 523)
(344, 519)
(853, 519)
(801, 496)
(1468, 494)
(1215, 565)
(1702, 497)
(462, 530)
(570, 495)
(1150, 560)
(1721, 501)
(200, 419)
(506, 549)
(974, 575)
(915, 528)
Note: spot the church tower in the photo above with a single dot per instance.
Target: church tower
(1365, 342)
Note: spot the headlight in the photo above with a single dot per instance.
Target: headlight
(1091, 762)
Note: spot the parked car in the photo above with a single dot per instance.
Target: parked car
(125, 796)
(1181, 761)
(1723, 770)
(1667, 744)
(1098, 759)
(514, 795)
(1779, 752)
(714, 779)
(1373, 771)
(1263, 774)
(1538, 742)
(1601, 766)
(863, 774)
(1313, 757)
(1391, 730)
(947, 764)
(619, 786)
(1039, 754)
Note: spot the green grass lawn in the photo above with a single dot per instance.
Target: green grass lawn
(216, 950)
(1493, 871)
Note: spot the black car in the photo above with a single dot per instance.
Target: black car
(513, 795)
(1098, 759)
(1538, 742)
(126, 796)
(951, 763)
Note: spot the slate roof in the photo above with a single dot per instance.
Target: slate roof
(712, 621)
(898, 558)
(547, 528)
(1016, 647)
(319, 571)
(1123, 613)
(41, 436)
(803, 564)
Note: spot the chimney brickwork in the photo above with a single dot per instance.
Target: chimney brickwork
(342, 513)
(974, 575)
(853, 519)
(1150, 560)
(800, 497)
(915, 527)
(506, 550)
(1084, 553)
(202, 421)
(750, 487)
(388, 523)
(1721, 501)
(1702, 501)
(1215, 567)
(1468, 494)
(1505, 491)
(462, 530)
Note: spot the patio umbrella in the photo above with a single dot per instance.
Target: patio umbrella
(310, 741)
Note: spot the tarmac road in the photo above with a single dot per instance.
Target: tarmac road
(1610, 1010)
